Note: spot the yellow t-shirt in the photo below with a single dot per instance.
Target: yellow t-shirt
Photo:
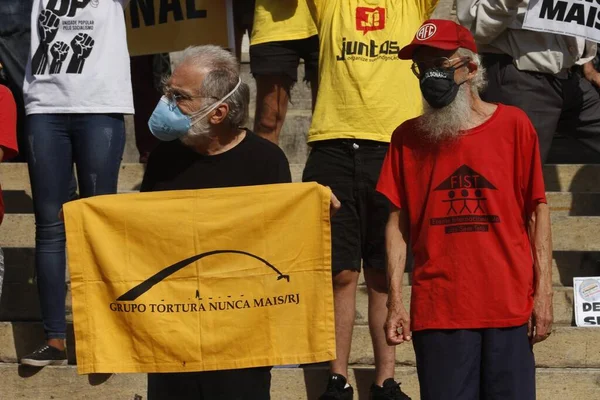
(365, 90)
(277, 20)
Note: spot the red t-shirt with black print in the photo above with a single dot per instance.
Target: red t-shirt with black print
(468, 202)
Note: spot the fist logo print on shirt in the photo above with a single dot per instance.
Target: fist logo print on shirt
(62, 31)
(48, 23)
(59, 53)
(82, 46)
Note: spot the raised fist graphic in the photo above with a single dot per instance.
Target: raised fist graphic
(82, 46)
(59, 51)
(48, 23)
(47, 26)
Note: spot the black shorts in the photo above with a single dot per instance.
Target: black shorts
(351, 169)
(475, 364)
(283, 58)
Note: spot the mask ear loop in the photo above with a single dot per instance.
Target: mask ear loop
(201, 114)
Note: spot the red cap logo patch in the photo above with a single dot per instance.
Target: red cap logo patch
(426, 32)
(370, 19)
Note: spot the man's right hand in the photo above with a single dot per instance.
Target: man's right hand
(397, 324)
(540, 323)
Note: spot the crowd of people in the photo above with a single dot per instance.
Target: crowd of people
(453, 181)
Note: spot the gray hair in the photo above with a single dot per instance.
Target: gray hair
(478, 82)
(223, 74)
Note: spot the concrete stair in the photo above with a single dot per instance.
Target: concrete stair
(568, 347)
(63, 383)
(568, 362)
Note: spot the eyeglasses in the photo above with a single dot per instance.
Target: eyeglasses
(418, 68)
(178, 97)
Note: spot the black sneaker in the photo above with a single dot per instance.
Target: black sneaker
(45, 355)
(337, 390)
(389, 391)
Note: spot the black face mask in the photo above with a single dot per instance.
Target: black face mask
(438, 86)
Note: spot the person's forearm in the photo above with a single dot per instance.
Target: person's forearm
(396, 245)
(1, 154)
(540, 234)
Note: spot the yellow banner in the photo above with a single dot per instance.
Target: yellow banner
(202, 279)
(159, 26)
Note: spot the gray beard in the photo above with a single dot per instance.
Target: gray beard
(199, 132)
(446, 123)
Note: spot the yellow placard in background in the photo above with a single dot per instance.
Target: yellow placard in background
(159, 26)
(201, 279)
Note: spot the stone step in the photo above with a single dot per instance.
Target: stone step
(569, 233)
(20, 301)
(63, 383)
(309, 383)
(576, 179)
(567, 347)
(563, 305)
(561, 203)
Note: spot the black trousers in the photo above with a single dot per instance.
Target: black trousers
(569, 105)
(235, 384)
(475, 364)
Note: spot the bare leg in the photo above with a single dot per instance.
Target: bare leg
(271, 105)
(385, 355)
(344, 295)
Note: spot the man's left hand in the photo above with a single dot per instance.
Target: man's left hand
(540, 323)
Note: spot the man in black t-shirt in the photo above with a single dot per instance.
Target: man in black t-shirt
(204, 106)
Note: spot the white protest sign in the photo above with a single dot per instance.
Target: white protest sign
(565, 17)
(587, 301)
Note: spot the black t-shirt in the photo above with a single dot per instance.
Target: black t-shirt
(254, 161)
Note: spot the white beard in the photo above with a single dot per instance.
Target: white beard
(446, 123)
(199, 132)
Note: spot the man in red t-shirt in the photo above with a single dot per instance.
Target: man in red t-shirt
(8, 146)
(466, 186)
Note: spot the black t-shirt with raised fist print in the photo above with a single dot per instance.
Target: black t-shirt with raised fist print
(79, 61)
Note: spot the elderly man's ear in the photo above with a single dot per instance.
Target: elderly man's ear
(220, 114)
(472, 66)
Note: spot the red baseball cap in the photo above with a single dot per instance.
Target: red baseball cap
(440, 34)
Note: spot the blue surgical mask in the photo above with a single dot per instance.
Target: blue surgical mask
(168, 123)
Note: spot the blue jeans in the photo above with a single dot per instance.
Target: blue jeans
(95, 143)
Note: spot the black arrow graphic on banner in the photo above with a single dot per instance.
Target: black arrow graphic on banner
(170, 270)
